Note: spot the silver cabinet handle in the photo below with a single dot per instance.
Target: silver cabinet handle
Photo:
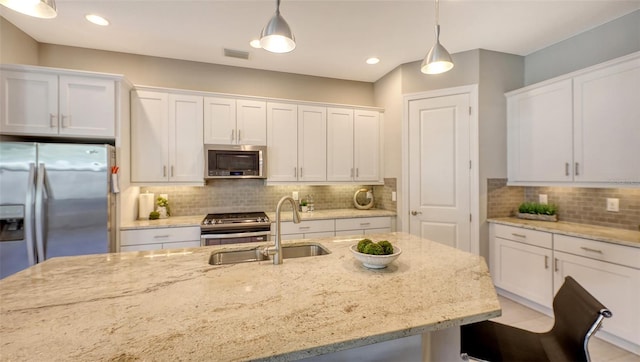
(351, 173)
(365, 223)
(591, 250)
(301, 175)
(519, 235)
(414, 212)
(304, 227)
(66, 121)
(161, 236)
(555, 267)
(357, 172)
(566, 168)
(577, 169)
(164, 171)
(239, 137)
(295, 172)
(172, 171)
(53, 120)
(546, 262)
(233, 135)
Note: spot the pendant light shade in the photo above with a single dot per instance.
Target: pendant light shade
(438, 60)
(276, 36)
(44, 9)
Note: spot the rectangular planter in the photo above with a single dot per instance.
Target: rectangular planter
(538, 217)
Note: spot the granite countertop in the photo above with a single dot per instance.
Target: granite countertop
(195, 220)
(600, 233)
(173, 305)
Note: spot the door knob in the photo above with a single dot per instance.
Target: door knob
(414, 212)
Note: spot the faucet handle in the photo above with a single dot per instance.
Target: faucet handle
(269, 251)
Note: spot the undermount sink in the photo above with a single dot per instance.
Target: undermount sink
(223, 257)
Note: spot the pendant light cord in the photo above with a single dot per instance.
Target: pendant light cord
(437, 12)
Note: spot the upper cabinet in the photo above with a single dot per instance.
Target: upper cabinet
(230, 121)
(581, 129)
(166, 138)
(353, 145)
(50, 104)
(297, 142)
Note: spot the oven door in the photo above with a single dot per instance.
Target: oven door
(242, 237)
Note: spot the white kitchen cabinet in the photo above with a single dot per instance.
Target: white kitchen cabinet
(611, 273)
(607, 124)
(230, 121)
(579, 129)
(50, 104)
(521, 263)
(353, 145)
(540, 133)
(363, 226)
(305, 229)
(159, 238)
(296, 139)
(166, 138)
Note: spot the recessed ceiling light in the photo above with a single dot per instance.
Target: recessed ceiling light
(255, 43)
(97, 19)
(373, 60)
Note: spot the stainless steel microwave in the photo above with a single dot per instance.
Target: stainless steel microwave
(235, 161)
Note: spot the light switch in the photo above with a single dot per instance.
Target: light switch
(613, 204)
(393, 196)
(294, 195)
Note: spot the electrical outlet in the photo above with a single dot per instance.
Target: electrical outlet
(542, 198)
(294, 195)
(613, 204)
(393, 196)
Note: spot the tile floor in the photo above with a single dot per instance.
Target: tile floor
(517, 315)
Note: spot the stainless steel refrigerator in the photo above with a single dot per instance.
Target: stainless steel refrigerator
(55, 200)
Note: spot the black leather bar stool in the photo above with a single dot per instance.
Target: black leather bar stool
(578, 315)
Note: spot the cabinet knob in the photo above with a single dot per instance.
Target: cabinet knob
(414, 212)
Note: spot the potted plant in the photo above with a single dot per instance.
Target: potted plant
(537, 211)
(304, 205)
(163, 207)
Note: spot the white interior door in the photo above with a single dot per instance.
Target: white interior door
(439, 169)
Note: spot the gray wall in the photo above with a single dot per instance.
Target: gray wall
(608, 41)
(16, 47)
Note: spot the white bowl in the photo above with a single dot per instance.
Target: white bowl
(375, 261)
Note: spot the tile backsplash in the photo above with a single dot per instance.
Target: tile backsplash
(575, 204)
(254, 195)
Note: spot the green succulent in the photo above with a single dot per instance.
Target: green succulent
(373, 249)
(362, 243)
(154, 215)
(536, 208)
(386, 247)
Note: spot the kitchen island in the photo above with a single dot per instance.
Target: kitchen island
(173, 305)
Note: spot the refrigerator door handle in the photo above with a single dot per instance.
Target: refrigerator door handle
(41, 186)
(28, 215)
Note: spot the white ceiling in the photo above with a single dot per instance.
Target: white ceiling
(334, 37)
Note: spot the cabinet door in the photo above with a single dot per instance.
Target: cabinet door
(186, 151)
(607, 124)
(282, 142)
(251, 122)
(312, 143)
(339, 144)
(366, 145)
(87, 107)
(149, 136)
(615, 286)
(219, 121)
(524, 270)
(29, 103)
(540, 134)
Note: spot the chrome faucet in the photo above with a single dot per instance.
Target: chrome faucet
(277, 252)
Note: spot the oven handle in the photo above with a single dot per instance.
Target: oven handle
(236, 235)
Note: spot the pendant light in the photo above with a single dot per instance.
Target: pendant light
(276, 36)
(438, 60)
(45, 9)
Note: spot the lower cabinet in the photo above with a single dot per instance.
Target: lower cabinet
(521, 263)
(533, 265)
(363, 226)
(160, 238)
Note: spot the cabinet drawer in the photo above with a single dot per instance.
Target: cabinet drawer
(527, 236)
(363, 223)
(310, 226)
(160, 235)
(599, 250)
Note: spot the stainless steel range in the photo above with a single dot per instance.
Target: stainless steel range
(235, 227)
